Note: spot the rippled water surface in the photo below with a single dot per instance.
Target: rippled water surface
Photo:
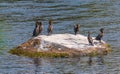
(17, 19)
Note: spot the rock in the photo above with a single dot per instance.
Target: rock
(60, 45)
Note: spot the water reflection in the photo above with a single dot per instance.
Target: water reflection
(90, 60)
(99, 60)
(67, 65)
(43, 65)
(37, 63)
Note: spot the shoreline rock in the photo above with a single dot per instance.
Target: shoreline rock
(60, 45)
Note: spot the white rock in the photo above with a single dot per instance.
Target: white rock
(77, 42)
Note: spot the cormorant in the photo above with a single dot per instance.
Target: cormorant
(90, 40)
(99, 36)
(50, 27)
(36, 29)
(76, 28)
(40, 27)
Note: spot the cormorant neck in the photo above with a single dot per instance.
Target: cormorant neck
(102, 32)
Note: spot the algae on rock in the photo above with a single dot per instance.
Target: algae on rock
(60, 45)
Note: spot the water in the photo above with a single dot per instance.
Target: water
(17, 19)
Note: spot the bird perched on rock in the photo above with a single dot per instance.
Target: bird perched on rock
(76, 28)
(36, 23)
(100, 35)
(90, 40)
(50, 27)
(38, 28)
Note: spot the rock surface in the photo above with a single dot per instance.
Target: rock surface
(69, 44)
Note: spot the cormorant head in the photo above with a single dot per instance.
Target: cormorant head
(40, 23)
(37, 19)
(101, 30)
(78, 25)
(36, 23)
(50, 22)
(89, 32)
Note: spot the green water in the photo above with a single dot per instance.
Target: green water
(17, 19)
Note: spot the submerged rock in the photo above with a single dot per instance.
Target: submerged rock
(60, 45)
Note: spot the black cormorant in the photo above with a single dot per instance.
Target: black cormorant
(99, 36)
(50, 27)
(76, 28)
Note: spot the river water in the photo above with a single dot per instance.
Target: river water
(17, 21)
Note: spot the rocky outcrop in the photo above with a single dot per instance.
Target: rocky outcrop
(60, 45)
